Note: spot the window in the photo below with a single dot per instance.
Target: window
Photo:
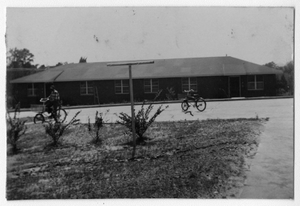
(31, 90)
(86, 88)
(255, 82)
(122, 86)
(151, 85)
(189, 83)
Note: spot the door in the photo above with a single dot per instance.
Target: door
(234, 87)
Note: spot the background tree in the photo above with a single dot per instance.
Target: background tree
(82, 59)
(20, 58)
(272, 65)
(59, 64)
(283, 83)
(286, 81)
(288, 70)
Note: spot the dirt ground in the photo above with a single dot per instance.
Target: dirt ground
(188, 159)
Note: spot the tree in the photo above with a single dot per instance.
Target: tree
(82, 59)
(288, 69)
(283, 82)
(20, 58)
(271, 65)
(281, 85)
(59, 64)
(286, 81)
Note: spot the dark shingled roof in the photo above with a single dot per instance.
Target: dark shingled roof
(162, 68)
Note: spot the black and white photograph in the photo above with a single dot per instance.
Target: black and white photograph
(159, 102)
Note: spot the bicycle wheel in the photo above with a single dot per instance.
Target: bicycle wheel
(200, 104)
(61, 115)
(184, 105)
(38, 118)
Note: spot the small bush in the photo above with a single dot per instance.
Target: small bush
(94, 129)
(171, 95)
(56, 129)
(15, 129)
(157, 95)
(142, 120)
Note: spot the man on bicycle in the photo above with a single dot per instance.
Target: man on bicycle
(190, 94)
(53, 101)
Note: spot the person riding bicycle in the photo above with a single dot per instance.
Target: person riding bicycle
(53, 101)
(191, 94)
(193, 97)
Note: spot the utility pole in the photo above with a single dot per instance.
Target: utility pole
(129, 64)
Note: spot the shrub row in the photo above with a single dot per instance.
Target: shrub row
(55, 129)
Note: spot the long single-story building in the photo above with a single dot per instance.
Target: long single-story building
(97, 83)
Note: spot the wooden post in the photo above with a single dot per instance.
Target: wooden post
(131, 97)
(132, 112)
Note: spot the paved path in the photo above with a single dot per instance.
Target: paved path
(271, 108)
(271, 171)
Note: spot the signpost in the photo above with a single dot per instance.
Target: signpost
(129, 64)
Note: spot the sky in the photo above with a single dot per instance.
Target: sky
(257, 34)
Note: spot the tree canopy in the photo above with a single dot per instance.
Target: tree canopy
(82, 59)
(271, 65)
(286, 81)
(20, 58)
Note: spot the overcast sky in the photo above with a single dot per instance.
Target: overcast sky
(53, 35)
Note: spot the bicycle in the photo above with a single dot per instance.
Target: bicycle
(60, 115)
(199, 102)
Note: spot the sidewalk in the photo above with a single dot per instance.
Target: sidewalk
(162, 102)
(271, 174)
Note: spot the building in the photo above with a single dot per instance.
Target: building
(96, 83)
(15, 73)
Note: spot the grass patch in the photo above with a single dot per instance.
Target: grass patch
(188, 159)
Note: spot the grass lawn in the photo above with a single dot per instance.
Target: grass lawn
(188, 159)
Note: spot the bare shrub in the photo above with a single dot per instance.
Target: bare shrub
(143, 120)
(15, 129)
(171, 95)
(94, 129)
(56, 129)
